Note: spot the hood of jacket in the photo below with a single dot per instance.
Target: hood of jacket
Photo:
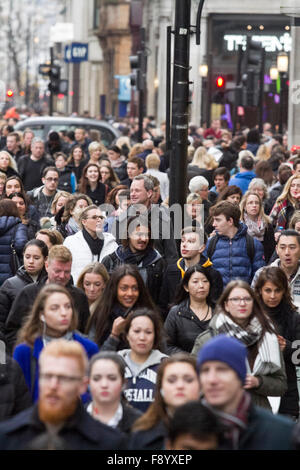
(242, 230)
(245, 175)
(155, 358)
(7, 223)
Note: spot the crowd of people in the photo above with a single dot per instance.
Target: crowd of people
(117, 334)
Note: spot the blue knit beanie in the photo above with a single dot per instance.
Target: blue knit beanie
(225, 349)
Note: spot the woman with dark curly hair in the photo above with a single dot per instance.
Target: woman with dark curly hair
(91, 185)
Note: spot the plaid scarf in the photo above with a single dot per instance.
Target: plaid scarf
(235, 424)
(267, 360)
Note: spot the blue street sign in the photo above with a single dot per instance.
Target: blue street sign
(76, 52)
(124, 87)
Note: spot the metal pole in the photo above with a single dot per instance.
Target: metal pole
(280, 130)
(51, 92)
(168, 90)
(261, 90)
(142, 88)
(180, 103)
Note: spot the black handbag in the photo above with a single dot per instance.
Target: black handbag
(15, 262)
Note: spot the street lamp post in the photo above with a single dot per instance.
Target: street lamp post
(282, 66)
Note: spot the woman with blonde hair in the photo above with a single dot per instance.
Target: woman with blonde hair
(258, 223)
(203, 163)
(7, 164)
(287, 203)
(135, 150)
(95, 150)
(3, 179)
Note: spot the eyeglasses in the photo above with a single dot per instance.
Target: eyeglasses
(239, 300)
(61, 379)
(95, 217)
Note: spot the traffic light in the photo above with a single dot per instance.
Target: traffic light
(54, 76)
(138, 65)
(9, 93)
(219, 89)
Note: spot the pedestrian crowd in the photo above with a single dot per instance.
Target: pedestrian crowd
(115, 333)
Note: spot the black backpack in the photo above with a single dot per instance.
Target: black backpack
(249, 242)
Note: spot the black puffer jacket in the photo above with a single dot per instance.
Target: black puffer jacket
(14, 394)
(10, 289)
(182, 327)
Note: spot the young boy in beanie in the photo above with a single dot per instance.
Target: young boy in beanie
(222, 365)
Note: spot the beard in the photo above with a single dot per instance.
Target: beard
(58, 413)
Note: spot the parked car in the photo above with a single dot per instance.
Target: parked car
(41, 126)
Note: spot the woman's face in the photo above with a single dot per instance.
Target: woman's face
(105, 173)
(58, 314)
(194, 209)
(93, 285)
(45, 239)
(2, 185)
(95, 155)
(105, 382)
(92, 174)
(234, 199)
(141, 336)
(297, 226)
(198, 286)
(128, 291)
(260, 192)
(60, 162)
(295, 188)
(239, 305)
(61, 201)
(4, 161)
(252, 205)
(12, 186)
(20, 203)
(77, 154)
(33, 260)
(180, 384)
(271, 294)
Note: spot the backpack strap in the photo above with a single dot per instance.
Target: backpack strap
(212, 246)
(250, 247)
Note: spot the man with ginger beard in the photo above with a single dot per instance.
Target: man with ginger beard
(59, 412)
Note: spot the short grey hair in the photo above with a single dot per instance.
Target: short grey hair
(198, 183)
(148, 183)
(37, 140)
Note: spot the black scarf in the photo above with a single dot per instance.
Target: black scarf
(144, 257)
(95, 245)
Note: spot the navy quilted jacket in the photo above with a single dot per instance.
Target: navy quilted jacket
(7, 227)
(231, 260)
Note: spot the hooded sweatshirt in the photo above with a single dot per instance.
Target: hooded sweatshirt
(141, 378)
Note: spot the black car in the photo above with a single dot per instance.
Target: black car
(42, 125)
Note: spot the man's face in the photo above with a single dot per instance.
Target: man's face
(58, 272)
(190, 245)
(220, 385)
(60, 385)
(138, 193)
(11, 143)
(50, 181)
(220, 183)
(288, 251)
(79, 135)
(27, 139)
(37, 149)
(133, 170)
(222, 225)
(139, 239)
(155, 195)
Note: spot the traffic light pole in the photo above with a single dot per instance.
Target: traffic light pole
(51, 92)
(180, 103)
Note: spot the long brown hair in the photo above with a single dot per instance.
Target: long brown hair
(257, 310)
(33, 327)
(157, 411)
(278, 277)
